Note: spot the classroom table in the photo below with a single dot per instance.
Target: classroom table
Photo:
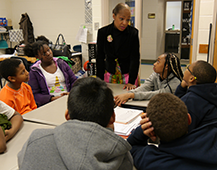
(29, 59)
(9, 158)
(52, 113)
(137, 104)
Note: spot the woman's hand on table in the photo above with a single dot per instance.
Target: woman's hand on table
(129, 86)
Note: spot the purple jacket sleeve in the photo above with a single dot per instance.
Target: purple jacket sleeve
(39, 88)
(70, 78)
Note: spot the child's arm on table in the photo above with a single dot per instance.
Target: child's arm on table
(16, 122)
(123, 98)
(2, 141)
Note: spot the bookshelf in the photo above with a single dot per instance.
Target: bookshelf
(185, 29)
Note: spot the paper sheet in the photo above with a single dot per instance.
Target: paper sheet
(82, 35)
(125, 115)
(126, 129)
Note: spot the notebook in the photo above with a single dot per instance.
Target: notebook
(126, 115)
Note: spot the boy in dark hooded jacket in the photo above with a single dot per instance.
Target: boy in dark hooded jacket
(198, 91)
(167, 119)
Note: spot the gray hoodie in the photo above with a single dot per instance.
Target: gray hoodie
(153, 85)
(75, 145)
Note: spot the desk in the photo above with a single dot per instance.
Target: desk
(9, 158)
(52, 113)
(29, 59)
(118, 89)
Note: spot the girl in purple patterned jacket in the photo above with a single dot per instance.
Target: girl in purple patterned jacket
(50, 78)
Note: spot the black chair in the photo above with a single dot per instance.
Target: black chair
(25, 62)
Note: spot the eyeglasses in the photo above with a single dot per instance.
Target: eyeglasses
(191, 71)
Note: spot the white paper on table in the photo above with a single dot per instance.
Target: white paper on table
(124, 115)
(82, 35)
(126, 129)
(6, 55)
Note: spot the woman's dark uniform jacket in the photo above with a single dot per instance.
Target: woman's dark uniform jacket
(128, 53)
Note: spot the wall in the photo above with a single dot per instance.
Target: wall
(160, 28)
(5, 8)
(205, 18)
(173, 14)
(49, 17)
(152, 33)
(5, 11)
(96, 8)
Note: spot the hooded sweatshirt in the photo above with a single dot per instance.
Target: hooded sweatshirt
(39, 85)
(196, 150)
(75, 145)
(153, 85)
(201, 101)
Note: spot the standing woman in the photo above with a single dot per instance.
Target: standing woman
(118, 56)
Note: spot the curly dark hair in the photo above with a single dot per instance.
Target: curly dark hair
(8, 67)
(204, 72)
(168, 115)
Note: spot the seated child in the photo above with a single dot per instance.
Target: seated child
(198, 91)
(166, 77)
(16, 121)
(86, 140)
(168, 119)
(16, 93)
(50, 78)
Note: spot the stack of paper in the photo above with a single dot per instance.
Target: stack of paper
(126, 120)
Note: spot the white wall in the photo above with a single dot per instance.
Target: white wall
(152, 36)
(96, 9)
(49, 17)
(173, 14)
(160, 28)
(5, 9)
(205, 18)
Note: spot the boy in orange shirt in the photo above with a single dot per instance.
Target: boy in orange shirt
(16, 93)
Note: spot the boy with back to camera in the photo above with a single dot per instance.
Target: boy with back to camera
(86, 141)
(167, 119)
(198, 91)
(16, 93)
